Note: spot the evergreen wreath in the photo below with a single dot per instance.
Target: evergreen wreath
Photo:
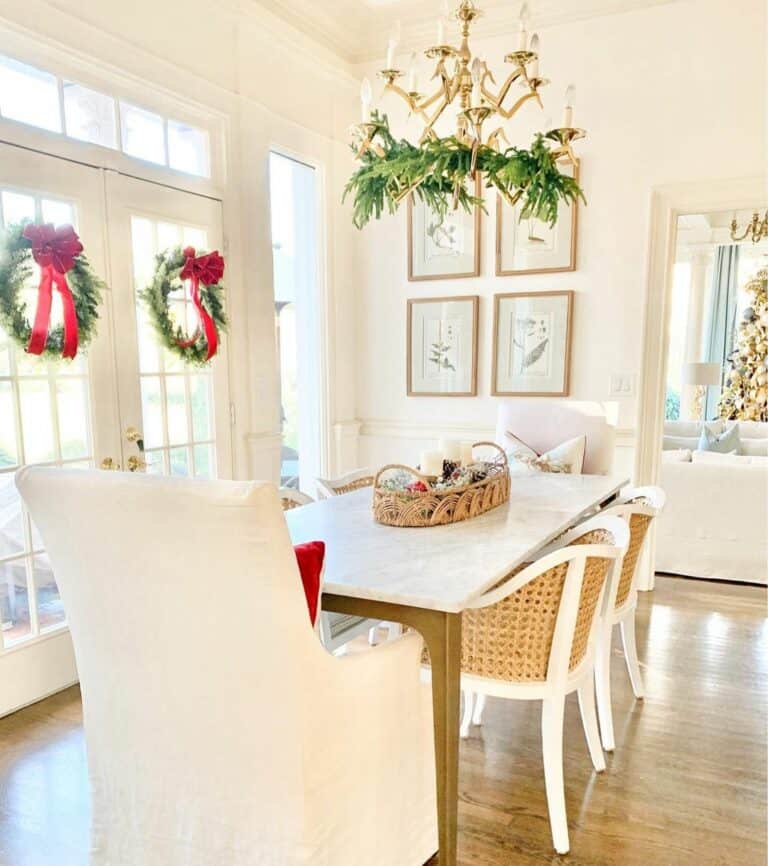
(16, 267)
(172, 267)
(439, 173)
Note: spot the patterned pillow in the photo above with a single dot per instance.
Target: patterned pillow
(724, 443)
(568, 457)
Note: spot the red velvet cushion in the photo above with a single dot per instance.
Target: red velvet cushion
(310, 557)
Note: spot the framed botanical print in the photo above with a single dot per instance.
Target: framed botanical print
(442, 249)
(532, 344)
(531, 246)
(442, 346)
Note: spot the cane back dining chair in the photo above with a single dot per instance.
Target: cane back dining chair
(638, 506)
(534, 637)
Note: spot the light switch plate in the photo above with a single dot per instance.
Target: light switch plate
(622, 385)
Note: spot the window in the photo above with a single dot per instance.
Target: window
(293, 192)
(33, 96)
(176, 400)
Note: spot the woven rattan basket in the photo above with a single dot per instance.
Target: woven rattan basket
(439, 507)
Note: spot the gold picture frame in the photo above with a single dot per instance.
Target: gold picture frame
(415, 274)
(503, 208)
(551, 311)
(461, 369)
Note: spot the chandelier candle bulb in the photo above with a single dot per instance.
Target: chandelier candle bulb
(522, 39)
(477, 74)
(570, 96)
(450, 449)
(413, 84)
(441, 31)
(534, 70)
(431, 463)
(365, 98)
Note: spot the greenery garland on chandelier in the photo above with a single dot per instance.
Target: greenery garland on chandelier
(441, 172)
(64, 266)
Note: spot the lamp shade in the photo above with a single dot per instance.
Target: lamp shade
(699, 373)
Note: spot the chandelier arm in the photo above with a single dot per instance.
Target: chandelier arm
(430, 123)
(507, 114)
(502, 94)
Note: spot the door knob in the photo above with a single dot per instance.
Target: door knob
(134, 435)
(110, 464)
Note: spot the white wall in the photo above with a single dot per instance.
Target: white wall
(660, 107)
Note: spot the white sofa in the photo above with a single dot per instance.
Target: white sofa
(715, 524)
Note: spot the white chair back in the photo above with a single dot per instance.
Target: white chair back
(195, 656)
(328, 487)
(543, 424)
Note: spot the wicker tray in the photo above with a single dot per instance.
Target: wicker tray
(439, 507)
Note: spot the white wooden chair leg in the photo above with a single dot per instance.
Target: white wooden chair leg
(630, 654)
(466, 717)
(394, 630)
(589, 721)
(603, 689)
(477, 715)
(552, 749)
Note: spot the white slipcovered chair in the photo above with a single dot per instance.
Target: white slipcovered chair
(534, 637)
(543, 424)
(219, 731)
(638, 506)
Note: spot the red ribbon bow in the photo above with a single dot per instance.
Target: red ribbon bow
(54, 249)
(208, 270)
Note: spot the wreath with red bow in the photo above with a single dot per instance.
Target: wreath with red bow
(63, 268)
(204, 273)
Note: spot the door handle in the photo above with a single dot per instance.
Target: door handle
(134, 435)
(110, 464)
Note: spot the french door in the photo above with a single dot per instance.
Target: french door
(78, 413)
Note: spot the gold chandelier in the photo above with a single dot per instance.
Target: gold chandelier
(757, 228)
(467, 83)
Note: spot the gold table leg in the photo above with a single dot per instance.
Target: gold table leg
(442, 634)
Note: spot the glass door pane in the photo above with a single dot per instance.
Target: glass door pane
(45, 417)
(182, 411)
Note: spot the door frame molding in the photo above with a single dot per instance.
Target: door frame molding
(667, 204)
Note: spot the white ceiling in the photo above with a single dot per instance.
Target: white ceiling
(357, 30)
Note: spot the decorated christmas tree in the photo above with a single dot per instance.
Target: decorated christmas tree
(745, 395)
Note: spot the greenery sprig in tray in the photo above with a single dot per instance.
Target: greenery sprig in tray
(441, 173)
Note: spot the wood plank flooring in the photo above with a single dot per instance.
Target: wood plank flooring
(686, 785)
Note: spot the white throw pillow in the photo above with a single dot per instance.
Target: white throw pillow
(676, 455)
(566, 457)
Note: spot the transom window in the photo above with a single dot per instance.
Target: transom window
(39, 98)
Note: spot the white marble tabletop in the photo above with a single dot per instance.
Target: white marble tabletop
(443, 567)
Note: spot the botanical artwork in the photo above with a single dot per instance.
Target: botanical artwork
(443, 237)
(442, 346)
(528, 245)
(532, 335)
(530, 354)
(442, 246)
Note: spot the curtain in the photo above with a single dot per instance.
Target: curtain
(721, 321)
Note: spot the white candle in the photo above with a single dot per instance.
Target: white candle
(391, 54)
(451, 449)
(441, 31)
(477, 74)
(570, 96)
(431, 463)
(522, 38)
(533, 71)
(365, 99)
(466, 454)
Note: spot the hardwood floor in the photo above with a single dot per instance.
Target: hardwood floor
(686, 785)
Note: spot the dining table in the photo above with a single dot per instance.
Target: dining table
(426, 577)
